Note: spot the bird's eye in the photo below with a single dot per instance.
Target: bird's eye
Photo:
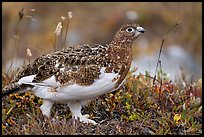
(130, 30)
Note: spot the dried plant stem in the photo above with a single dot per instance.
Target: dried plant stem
(160, 87)
(17, 38)
(9, 67)
(158, 60)
(65, 36)
(16, 43)
(55, 42)
(61, 45)
(149, 77)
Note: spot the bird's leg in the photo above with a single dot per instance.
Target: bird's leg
(75, 108)
(46, 107)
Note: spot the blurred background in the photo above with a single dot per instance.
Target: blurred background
(97, 23)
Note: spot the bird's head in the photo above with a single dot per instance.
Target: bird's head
(127, 34)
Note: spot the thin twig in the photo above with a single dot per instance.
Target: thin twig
(65, 36)
(17, 37)
(67, 27)
(182, 83)
(61, 46)
(192, 80)
(158, 60)
(149, 77)
(10, 67)
(160, 88)
(53, 44)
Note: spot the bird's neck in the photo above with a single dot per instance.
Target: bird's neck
(123, 56)
(121, 52)
(122, 42)
(121, 49)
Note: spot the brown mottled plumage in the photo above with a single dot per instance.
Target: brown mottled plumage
(82, 65)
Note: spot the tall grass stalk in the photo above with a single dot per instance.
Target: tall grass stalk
(16, 38)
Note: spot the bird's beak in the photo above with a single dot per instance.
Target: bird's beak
(140, 29)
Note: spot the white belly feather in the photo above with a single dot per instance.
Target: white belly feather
(101, 86)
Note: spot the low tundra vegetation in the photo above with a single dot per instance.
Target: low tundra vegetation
(140, 106)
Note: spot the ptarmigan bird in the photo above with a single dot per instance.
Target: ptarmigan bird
(77, 74)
